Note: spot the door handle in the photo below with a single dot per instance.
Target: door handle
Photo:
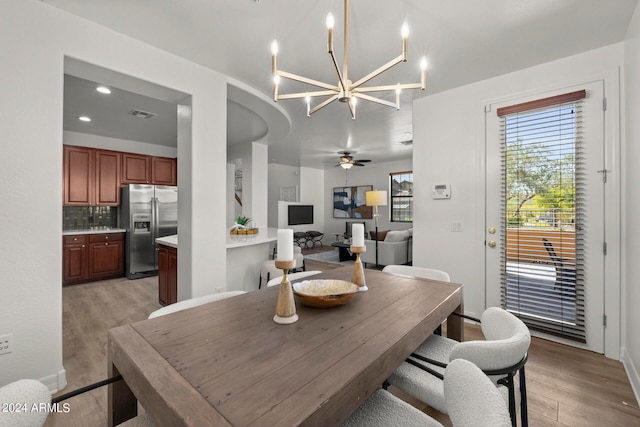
(491, 244)
(492, 230)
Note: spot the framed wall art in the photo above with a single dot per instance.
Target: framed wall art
(350, 202)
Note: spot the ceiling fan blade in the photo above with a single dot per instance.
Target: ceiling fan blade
(363, 161)
(358, 164)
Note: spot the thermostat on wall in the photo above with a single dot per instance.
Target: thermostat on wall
(441, 191)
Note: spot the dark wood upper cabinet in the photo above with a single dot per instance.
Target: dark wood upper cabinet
(164, 171)
(78, 177)
(136, 169)
(107, 178)
(93, 177)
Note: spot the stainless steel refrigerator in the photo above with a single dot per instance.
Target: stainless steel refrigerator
(147, 212)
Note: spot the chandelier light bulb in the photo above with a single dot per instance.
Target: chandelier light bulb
(276, 80)
(404, 31)
(423, 63)
(274, 47)
(331, 22)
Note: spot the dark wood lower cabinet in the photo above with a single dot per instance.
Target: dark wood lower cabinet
(167, 275)
(75, 256)
(89, 257)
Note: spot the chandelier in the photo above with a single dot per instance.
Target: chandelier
(346, 90)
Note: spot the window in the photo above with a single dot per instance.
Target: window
(543, 213)
(401, 185)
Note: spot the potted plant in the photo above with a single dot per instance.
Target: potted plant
(346, 238)
(243, 226)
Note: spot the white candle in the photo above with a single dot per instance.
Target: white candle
(358, 234)
(285, 245)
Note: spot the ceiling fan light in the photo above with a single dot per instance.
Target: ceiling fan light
(346, 165)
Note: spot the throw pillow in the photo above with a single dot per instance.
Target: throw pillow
(382, 235)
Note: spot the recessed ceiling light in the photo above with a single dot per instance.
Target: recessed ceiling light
(103, 89)
(84, 118)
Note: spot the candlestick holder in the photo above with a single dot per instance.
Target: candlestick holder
(358, 270)
(286, 307)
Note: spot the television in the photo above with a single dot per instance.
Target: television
(300, 214)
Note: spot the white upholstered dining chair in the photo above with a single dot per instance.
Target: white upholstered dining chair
(472, 401)
(500, 356)
(30, 392)
(293, 276)
(422, 272)
(194, 302)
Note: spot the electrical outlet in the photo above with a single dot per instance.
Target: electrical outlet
(456, 226)
(6, 343)
(218, 290)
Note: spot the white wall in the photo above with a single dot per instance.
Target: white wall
(36, 38)
(255, 177)
(280, 176)
(310, 194)
(631, 236)
(117, 144)
(449, 147)
(375, 174)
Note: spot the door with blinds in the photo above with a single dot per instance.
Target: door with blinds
(545, 212)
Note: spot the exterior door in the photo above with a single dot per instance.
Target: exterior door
(536, 237)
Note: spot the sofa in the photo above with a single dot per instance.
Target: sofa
(394, 247)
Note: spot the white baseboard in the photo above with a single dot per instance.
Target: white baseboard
(632, 373)
(55, 382)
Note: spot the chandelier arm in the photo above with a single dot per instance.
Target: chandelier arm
(306, 80)
(323, 104)
(374, 99)
(335, 64)
(305, 94)
(377, 72)
(388, 87)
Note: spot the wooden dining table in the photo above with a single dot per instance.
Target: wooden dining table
(227, 363)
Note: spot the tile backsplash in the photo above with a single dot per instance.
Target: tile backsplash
(89, 217)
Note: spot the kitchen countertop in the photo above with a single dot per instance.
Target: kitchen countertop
(233, 240)
(171, 241)
(93, 231)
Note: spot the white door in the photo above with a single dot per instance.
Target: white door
(500, 225)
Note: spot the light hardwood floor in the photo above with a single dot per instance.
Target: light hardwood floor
(566, 386)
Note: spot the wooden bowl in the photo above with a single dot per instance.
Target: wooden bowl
(324, 293)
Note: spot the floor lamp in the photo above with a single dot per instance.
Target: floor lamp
(376, 198)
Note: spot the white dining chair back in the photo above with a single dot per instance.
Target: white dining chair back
(193, 302)
(472, 399)
(507, 342)
(25, 392)
(293, 276)
(421, 272)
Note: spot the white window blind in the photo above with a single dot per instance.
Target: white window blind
(542, 257)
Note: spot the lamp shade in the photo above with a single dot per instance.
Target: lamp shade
(376, 198)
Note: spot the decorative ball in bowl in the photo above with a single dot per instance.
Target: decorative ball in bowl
(324, 293)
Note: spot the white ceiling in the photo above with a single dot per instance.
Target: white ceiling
(464, 41)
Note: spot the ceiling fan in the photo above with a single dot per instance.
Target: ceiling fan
(347, 160)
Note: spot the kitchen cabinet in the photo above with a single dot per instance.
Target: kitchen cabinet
(91, 177)
(106, 253)
(75, 265)
(78, 176)
(136, 169)
(88, 257)
(167, 275)
(107, 178)
(141, 169)
(164, 171)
